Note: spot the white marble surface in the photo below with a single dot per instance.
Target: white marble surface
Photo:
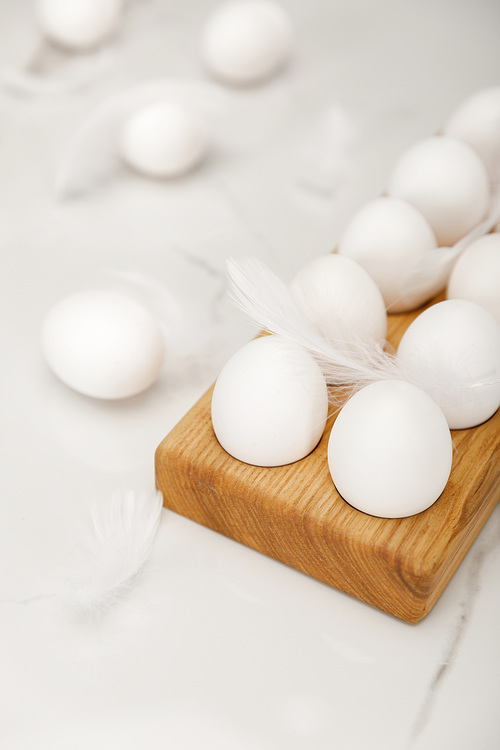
(216, 646)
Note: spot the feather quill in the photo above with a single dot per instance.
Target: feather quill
(346, 360)
(117, 547)
(432, 272)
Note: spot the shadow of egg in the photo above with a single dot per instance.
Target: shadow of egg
(110, 436)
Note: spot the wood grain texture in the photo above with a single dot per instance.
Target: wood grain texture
(294, 514)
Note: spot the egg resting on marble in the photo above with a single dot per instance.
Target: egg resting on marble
(447, 182)
(452, 351)
(476, 121)
(103, 344)
(341, 298)
(246, 41)
(390, 450)
(79, 24)
(387, 236)
(476, 274)
(270, 403)
(163, 140)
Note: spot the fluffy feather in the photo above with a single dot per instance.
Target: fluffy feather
(26, 83)
(31, 83)
(327, 159)
(119, 542)
(91, 154)
(348, 360)
(183, 333)
(432, 272)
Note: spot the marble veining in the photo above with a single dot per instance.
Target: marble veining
(484, 546)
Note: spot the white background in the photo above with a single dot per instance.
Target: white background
(215, 646)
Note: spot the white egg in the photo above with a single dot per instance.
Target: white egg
(103, 344)
(163, 140)
(79, 24)
(387, 236)
(447, 182)
(270, 403)
(341, 298)
(477, 122)
(476, 274)
(246, 41)
(452, 351)
(390, 450)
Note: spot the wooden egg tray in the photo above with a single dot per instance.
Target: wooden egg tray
(294, 514)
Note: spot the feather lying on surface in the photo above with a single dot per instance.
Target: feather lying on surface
(91, 155)
(328, 156)
(81, 73)
(117, 546)
(349, 360)
(25, 83)
(180, 329)
(191, 338)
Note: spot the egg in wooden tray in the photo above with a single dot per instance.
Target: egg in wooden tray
(379, 484)
(294, 513)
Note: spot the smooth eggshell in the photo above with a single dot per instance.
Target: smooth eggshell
(387, 236)
(79, 24)
(452, 351)
(447, 182)
(103, 344)
(476, 121)
(390, 450)
(270, 403)
(341, 298)
(246, 41)
(163, 139)
(476, 274)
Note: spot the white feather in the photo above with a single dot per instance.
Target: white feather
(432, 271)
(348, 360)
(182, 330)
(91, 155)
(118, 545)
(81, 73)
(26, 83)
(327, 158)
